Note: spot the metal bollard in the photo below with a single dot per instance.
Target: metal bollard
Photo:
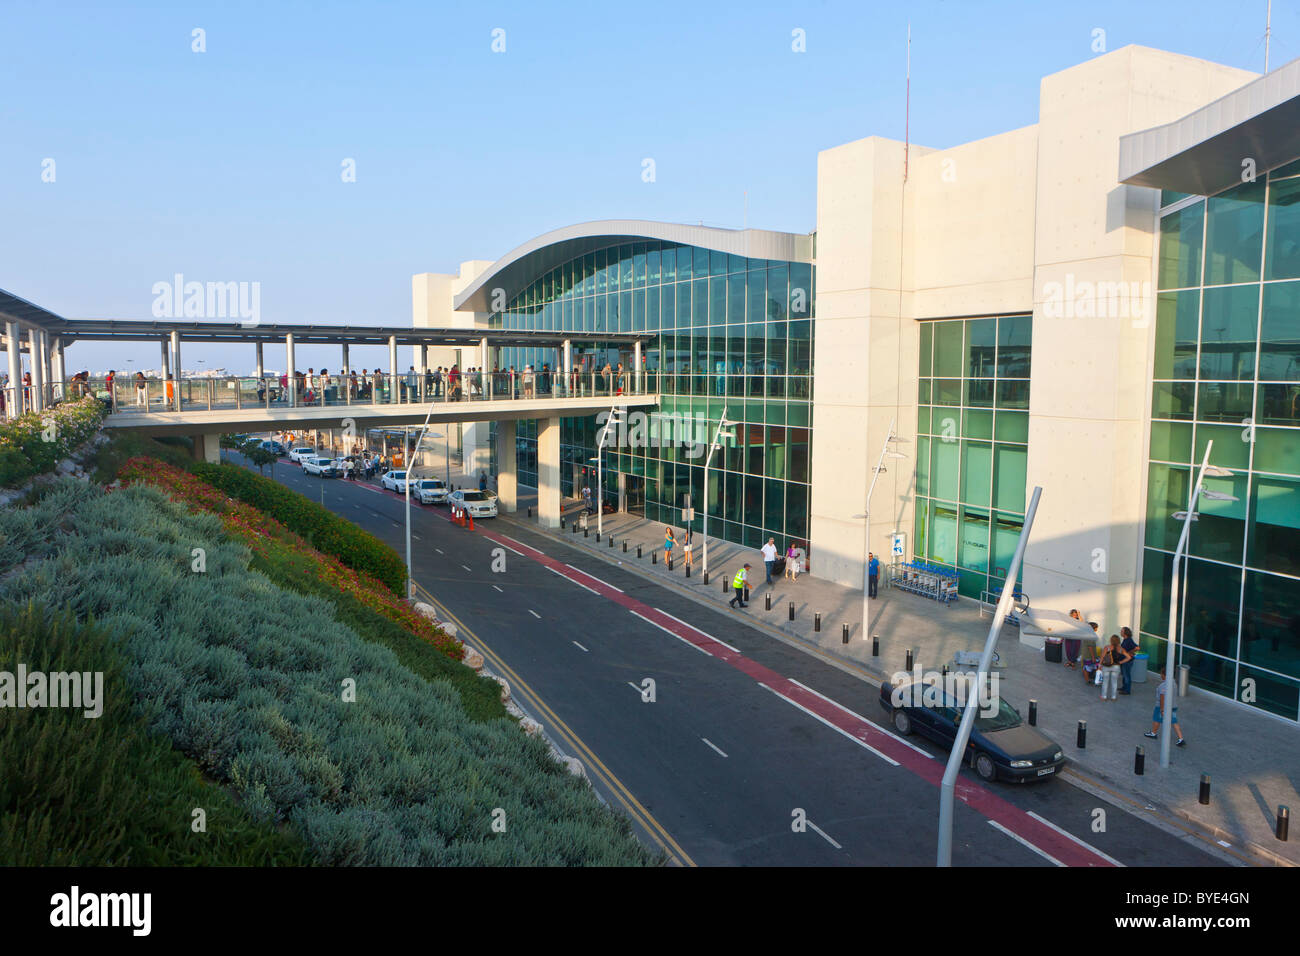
(586, 532)
(625, 545)
(574, 527)
(767, 601)
(875, 645)
(1140, 761)
(688, 570)
(1033, 713)
(817, 621)
(1081, 739)
(611, 541)
(944, 671)
(844, 633)
(724, 584)
(706, 578)
(908, 665)
(1203, 797)
(670, 560)
(1283, 822)
(530, 511)
(638, 552)
(598, 537)
(561, 522)
(792, 610)
(654, 557)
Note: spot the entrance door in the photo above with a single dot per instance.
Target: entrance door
(634, 495)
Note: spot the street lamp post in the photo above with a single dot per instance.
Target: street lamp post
(615, 418)
(714, 445)
(886, 451)
(407, 455)
(1175, 590)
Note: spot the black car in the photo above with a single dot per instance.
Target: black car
(1001, 746)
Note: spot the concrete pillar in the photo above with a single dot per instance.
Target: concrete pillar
(207, 447)
(36, 350)
(548, 472)
(507, 463)
(176, 366)
(166, 360)
(347, 362)
(392, 367)
(483, 360)
(14, 353)
(636, 367)
(258, 347)
(289, 368)
(57, 373)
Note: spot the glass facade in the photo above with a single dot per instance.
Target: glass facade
(1227, 370)
(723, 330)
(972, 445)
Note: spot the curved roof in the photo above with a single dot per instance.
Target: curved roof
(519, 267)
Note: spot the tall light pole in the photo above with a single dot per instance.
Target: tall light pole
(407, 455)
(973, 703)
(714, 445)
(1175, 590)
(886, 451)
(615, 418)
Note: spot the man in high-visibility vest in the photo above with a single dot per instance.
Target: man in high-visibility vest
(739, 583)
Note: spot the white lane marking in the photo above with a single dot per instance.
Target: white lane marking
(466, 567)
(1071, 836)
(508, 548)
(838, 730)
(498, 588)
(1025, 843)
(835, 703)
(678, 636)
(594, 578)
(396, 524)
(712, 744)
(439, 550)
(634, 687)
(503, 538)
(823, 834)
(580, 647)
(534, 614)
(415, 536)
(698, 631)
(571, 580)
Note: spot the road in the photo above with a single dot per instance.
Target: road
(751, 752)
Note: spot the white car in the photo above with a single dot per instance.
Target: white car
(298, 454)
(320, 467)
(479, 504)
(431, 491)
(394, 481)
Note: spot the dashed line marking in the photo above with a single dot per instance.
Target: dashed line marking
(439, 550)
(498, 588)
(1025, 843)
(466, 567)
(838, 730)
(713, 745)
(415, 536)
(580, 647)
(824, 835)
(534, 614)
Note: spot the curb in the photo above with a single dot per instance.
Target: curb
(874, 675)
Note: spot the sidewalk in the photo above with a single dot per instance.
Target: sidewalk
(1253, 760)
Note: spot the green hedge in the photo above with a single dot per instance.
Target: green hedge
(245, 678)
(106, 791)
(35, 443)
(327, 532)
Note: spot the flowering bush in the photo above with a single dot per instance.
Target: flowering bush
(35, 443)
(272, 541)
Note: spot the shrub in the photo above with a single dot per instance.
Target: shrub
(108, 791)
(35, 443)
(326, 531)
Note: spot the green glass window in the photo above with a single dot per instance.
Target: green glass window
(1279, 335)
(1270, 636)
(1006, 535)
(1277, 450)
(1167, 489)
(1177, 327)
(981, 347)
(1009, 471)
(1274, 694)
(927, 340)
(1274, 526)
(1278, 405)
(1173, 400)
(1282, 258)
(1221, 528)
(974, 545)
(1014, 335)
(980, 392)
(977, 423)
(700, 296)
(1234, 235)
(943, 533)
(668, 263)
(685, 260)
(1181, 239)
(922, 472)
(1231, 445)
(944, 463)
(1225, 401)
(1013, 426)
(923, 420)
(977, 473)
(1157, 577)
(1171, 441)
(948, 349)
(1229, 322)
(1013, 394)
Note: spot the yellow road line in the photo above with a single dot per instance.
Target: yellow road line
(624, 796)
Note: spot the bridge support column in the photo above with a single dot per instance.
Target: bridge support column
(507, 463)
(14, 353)
(258, 346)
(176, 360)
(568, 365)
(207, 447)
(637, 384)
(347, 364)
(289, 366)
(394, 385)
(36, 350)
(58, 374)
(548, 472)
(166, 361)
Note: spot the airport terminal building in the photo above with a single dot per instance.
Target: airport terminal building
(1058, 306)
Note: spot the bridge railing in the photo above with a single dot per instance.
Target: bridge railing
(127, 394)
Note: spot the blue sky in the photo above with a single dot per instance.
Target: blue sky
(225, 165)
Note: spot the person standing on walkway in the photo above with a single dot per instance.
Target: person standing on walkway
(873, 573)
(669, 541)
(769, 558)
(141, 389)
(1130, 645)
(792, 562)
(482, 481)
(1111, 658)
(687, 541)
(1072, 644)
(586, 499)
(1158, 715)
(739, 584)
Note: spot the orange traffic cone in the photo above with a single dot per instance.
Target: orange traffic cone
(470, 518)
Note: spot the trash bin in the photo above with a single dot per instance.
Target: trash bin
(1139, 672)
(1052, 650)
(1184, 674)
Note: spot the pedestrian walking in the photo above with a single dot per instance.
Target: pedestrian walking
(1072, 644)
(1111, 658)
(586, 499)
(141, 389)
(873, 573)
(1130, 645)
(482, 481)
(1158, 715)
(739, 584)
(686, 546)
(669, 541)
(792, 562)
(769, 558)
